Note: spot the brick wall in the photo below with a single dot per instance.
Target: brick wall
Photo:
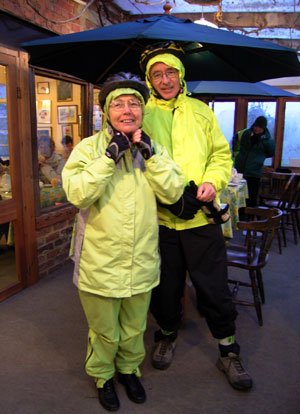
(48, 14)
(54, 233)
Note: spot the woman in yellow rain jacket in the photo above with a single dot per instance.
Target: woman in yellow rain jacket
(115, 178)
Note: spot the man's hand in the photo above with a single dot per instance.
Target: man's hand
(206, 192)
(117, 147)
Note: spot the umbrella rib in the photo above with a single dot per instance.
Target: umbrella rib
(114, 62)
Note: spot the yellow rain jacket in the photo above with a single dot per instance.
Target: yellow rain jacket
(189, 130)
(116, 249)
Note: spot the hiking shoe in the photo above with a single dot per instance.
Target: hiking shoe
(233, 369)
(134, 389)
(108, 397)
(163, 353)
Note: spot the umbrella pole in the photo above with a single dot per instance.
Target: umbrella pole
(114, 62)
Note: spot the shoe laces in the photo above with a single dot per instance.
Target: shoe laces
(236, 361)
(164, 347)
(109, 387)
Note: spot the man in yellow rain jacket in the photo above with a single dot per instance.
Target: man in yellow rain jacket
(115, 178)
(189, 242)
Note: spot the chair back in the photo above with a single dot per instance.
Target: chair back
(273, 186)
(261, 229)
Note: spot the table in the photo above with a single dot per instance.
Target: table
(49, 196)
(235, 195)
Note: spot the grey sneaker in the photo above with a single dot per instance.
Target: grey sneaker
(234, 371)
(163, 353)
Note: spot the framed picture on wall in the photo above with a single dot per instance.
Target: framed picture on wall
(64, 91)
(43, 87)
(43, 109)
(67, 130)
(44, 131)
(67, 114)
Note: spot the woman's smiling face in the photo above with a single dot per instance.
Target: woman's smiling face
(125, 114)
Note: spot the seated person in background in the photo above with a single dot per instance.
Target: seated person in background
(50, 163)
(67, 143)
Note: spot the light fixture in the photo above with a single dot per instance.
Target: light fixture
(205, 22)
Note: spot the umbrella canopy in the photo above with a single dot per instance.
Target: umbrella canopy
(236, 88)
(211, 54)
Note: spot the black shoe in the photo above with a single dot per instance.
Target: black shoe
(134, 389)
(108, 397)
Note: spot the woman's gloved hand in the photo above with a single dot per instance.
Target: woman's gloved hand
(117, 147)
(143, 143)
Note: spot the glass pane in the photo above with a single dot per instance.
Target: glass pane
(59, 129)
(224, 112)
(8, 270)
(291, 142)
(97, 114)
(267, 109)
(5, 182)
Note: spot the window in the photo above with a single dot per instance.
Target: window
(59, 129)
(267, 109)
(224, 112)
(97, 114)
(291, 141)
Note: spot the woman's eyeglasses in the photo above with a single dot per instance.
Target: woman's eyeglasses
(118, 106)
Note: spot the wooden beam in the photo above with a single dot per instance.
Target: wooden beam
(241, 20)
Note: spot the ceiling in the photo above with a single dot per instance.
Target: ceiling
(274, 20)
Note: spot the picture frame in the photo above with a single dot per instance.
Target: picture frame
(67, 130)
(64, 91)
(44, 131)
(67, 114)
(43, 111)
(43, 87)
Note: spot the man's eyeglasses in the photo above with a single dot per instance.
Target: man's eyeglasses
(170, 73)
(118, 106)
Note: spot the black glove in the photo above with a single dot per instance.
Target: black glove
(213, 211)
(145, 146)
(186, 207)
(117, 147)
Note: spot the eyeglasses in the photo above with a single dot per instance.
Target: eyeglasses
(170, 73)
(118, 106)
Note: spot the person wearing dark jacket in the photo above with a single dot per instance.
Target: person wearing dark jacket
(251, 148)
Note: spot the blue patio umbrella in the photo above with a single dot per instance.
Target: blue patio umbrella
(211, 54)
(214, 88)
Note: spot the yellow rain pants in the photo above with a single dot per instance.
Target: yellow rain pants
(116, 334)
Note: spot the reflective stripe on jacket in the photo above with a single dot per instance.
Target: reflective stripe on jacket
(116, 250)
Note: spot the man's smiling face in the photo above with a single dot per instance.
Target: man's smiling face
(165, 80)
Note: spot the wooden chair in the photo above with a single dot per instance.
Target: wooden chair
(282, 194)
(272, 186)
(253, 254)
(293, 208)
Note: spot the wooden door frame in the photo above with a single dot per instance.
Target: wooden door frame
(22, 179)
